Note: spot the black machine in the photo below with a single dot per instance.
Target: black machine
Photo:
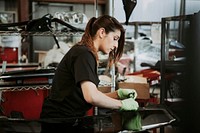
(129, 5)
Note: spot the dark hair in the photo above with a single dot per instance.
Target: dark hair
(110, 24)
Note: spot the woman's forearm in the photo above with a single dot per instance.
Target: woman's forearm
(95, 97)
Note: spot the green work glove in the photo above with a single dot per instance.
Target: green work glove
(126, 93)
(131, 121)
(129, 104)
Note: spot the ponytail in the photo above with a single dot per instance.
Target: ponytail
(87, 38)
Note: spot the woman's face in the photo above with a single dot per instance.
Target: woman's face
(110, 41)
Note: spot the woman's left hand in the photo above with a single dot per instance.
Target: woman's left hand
(126, 93)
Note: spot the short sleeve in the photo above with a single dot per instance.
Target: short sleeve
(85, 68)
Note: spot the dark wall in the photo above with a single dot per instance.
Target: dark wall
(192, 90)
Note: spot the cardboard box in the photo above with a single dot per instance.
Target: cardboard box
(105, 88)
(137, 83)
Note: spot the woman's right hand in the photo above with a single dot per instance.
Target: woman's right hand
(129, 104)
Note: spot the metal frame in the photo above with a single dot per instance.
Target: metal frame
(164, 48)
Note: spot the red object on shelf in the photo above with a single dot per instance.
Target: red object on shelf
(150, 74)
(28, 102)
(9, 54)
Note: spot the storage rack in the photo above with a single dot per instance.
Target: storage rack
(165, 34)
(36, 83)
(47, 33)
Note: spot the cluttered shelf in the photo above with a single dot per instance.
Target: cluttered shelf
(12, 80)
(46, 33)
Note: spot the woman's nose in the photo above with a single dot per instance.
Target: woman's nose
(115, 44)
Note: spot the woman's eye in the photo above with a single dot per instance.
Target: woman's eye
(116, 38)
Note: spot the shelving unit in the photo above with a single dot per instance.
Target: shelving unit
(171, 27)
(32, 85)
(185, 29)
(47, 33)
(173, 71)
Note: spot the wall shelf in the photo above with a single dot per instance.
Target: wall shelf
(47, 33)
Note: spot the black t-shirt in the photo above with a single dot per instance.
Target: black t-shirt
(66, 97)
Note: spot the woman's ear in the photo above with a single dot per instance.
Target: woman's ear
(102, 33)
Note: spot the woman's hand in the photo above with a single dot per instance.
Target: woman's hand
(126, 93)
(129, 104)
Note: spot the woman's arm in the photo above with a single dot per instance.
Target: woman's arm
(93, 96)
